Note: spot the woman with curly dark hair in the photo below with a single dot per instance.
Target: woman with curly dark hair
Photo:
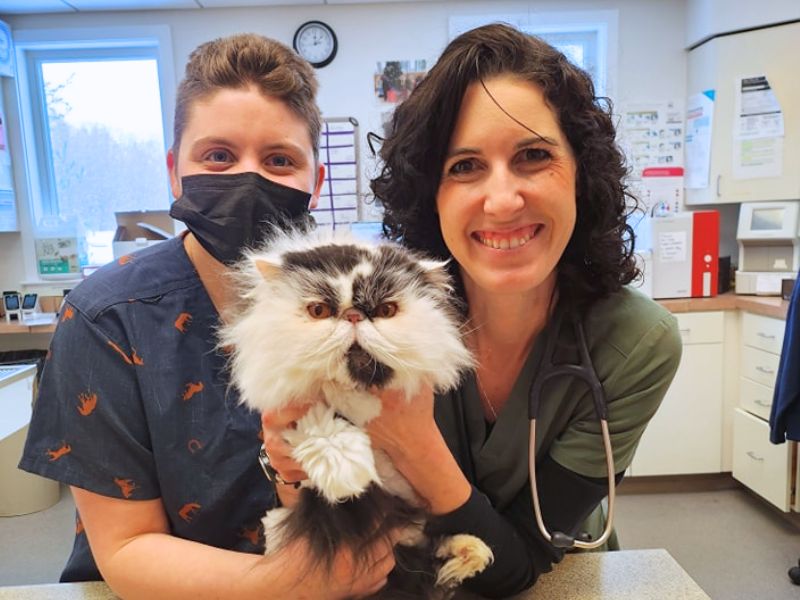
(504, 161)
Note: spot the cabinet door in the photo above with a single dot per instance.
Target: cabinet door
(763, 467)
(685, 434)
(718, 64)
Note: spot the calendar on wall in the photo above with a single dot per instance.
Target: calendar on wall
(339, 203)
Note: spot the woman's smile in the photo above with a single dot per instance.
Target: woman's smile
(509, 239)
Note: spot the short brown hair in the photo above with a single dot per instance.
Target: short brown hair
(598, 259)
(238, 61)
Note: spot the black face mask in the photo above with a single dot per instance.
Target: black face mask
(229, 213)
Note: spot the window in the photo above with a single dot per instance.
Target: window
(94, 130)
(587, 38)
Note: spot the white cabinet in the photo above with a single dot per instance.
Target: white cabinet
(685, 435)
(763, 467)
(717, 65)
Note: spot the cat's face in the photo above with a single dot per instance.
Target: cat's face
(361, 301)
(351, 313)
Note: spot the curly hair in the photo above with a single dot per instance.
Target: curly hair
(598, 259)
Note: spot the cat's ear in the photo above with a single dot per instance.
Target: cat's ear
(436, 273)
(269, 270)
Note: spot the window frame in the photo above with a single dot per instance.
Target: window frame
(37, 45)
(604, 22)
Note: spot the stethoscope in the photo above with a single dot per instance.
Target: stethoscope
(585, 371)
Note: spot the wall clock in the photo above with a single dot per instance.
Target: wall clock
(316, 42)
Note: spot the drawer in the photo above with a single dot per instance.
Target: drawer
(755, 398)
(701, 327)
(763, 467)
(765, 333)
(760, 366)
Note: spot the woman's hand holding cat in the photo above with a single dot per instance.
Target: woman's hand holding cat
(273, 424)
(407, 432)
(403, 423)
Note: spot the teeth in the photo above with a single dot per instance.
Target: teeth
(505, 243)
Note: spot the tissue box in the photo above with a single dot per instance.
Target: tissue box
(139, 229)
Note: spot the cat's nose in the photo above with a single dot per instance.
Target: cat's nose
(353, 315)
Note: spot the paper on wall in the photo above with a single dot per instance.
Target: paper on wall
(699, 123)
(758, 113)
(758, 157)
(758, 130)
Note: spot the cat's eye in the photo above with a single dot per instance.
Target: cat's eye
(386, 310)
(319, 310)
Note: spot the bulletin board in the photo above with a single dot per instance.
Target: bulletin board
(339, 201)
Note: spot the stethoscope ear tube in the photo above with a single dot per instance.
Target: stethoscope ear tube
(557, 538)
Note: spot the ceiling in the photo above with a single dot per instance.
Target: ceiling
(24, 7)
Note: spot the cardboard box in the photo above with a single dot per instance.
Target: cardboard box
(139, 229)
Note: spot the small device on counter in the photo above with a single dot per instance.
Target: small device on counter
(769, 246)
(29, 303)
(685, 255)
(12, 306)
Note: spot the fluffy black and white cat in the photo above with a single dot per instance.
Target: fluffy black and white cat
(328, 317)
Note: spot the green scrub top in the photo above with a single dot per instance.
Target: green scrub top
(635, 348)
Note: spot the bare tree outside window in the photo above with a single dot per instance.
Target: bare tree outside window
(106, 144)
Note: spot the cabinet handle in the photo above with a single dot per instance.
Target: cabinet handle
(754, 456)
(763, 403)
(719, 179)
(765, 370)
(766, 336)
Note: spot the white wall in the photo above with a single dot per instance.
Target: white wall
(709, 17)
(651, 58)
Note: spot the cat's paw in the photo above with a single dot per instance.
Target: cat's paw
(273, 529)
(336, 455)
(464, 556)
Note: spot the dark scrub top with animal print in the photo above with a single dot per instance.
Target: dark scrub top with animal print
(135, 403)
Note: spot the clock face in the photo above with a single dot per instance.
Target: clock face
(316, 42)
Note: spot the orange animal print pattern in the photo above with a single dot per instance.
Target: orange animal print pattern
(191, 389)
(126, 486)
(183, 321)
(124, 260)
(188, 511)
(68, 313)
(134, 359)
(88, 402)
(252, 535)
(194, 445)
(59, 452)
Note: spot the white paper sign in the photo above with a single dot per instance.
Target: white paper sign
(757, 109)
(758, 130)
(672, 246)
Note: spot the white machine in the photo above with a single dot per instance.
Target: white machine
(769, 246)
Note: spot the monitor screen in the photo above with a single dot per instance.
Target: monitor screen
(12, 302)
(29, 302)
(767, 219)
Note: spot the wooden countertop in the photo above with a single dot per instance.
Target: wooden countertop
(768, 306)
(20, 327)
(626, 575)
